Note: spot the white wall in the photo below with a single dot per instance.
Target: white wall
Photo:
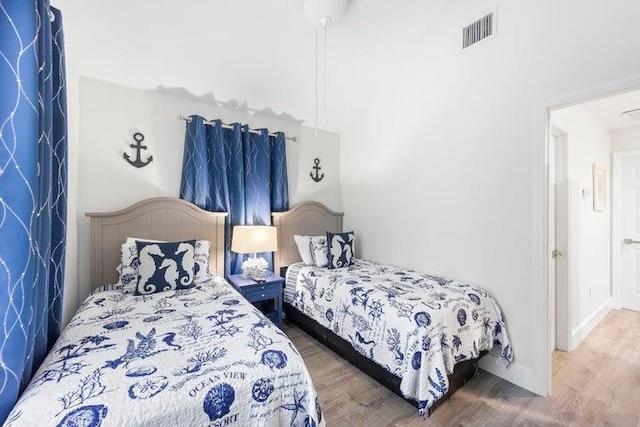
(111, 113)
(438, 147)
(439, 168)
(588, 142)
(625, 139)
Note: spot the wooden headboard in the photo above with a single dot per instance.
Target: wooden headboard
(307, 219)
(160, 218)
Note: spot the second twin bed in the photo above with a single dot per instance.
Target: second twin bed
(419, 335)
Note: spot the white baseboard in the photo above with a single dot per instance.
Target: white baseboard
(514, 373)
(591, 322)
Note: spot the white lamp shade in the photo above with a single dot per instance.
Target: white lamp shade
(326, 12)
(251, 239)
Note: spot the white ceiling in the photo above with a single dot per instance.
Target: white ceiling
(608, 110)
(258, 52)
(262, 52)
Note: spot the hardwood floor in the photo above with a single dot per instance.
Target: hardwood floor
(598, 384)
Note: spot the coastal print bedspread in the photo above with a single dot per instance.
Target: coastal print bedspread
(196, 357)
(414, 325)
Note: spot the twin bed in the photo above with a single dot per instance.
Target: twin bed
(198, 356)
(419, 335)
(205, 356)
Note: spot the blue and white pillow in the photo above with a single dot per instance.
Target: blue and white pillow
(128, 267)
(165, 266)
(201, 262)
(304, 247)
(319, 251)
(201, 258)
(341, 249)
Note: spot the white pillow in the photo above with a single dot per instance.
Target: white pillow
(128, 267)
(304, 248)
(319, 251)
(201, 259)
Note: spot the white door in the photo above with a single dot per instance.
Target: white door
(552, 253)
(630, 227)
(559, 290)
(558, 301)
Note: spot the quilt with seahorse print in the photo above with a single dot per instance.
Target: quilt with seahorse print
(201, 356)
(415, 325)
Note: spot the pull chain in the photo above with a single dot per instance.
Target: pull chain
(317, 91)
(324, 30)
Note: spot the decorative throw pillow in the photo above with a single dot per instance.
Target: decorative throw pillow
(128, 267)
(165, 266)
(341, 249)
(304, 248)
(201, 262)
(319, 251)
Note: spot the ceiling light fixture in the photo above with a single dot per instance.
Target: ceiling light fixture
(323, 14)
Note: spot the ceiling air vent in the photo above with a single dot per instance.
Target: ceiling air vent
(632, 115)
(482, 29)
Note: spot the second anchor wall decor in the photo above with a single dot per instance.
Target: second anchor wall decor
(317, 177)
(138, 162)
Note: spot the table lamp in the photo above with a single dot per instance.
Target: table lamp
(254, 239)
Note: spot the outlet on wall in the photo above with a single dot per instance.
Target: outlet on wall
(590, 290)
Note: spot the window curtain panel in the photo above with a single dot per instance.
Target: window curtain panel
(33, 184)
(235, 171)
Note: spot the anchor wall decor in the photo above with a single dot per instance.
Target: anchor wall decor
(317, 167)
(138, 137)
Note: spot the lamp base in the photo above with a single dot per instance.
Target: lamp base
(256, 268)
(257, 274)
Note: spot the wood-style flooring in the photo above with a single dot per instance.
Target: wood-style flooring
(597, 384)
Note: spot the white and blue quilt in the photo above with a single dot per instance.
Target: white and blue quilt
(195, 357)
(414, 325)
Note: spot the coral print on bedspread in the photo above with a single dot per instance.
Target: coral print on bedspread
(195, 357)
(414, 325)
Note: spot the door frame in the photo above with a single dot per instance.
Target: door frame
(540, 281)
(616, 224)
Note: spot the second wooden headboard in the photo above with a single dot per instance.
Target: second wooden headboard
(307, 219)
(160, 218)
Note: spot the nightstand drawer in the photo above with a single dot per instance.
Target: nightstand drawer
(255, 293)
(258, 287)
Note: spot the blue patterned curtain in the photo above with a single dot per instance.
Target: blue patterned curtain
(235, 171)
(33, 184)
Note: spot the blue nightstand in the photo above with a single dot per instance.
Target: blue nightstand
(267, 295)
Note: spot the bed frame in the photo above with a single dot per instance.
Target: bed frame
(160, 218)
(312, 218)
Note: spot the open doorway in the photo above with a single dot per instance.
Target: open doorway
(594, 214)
